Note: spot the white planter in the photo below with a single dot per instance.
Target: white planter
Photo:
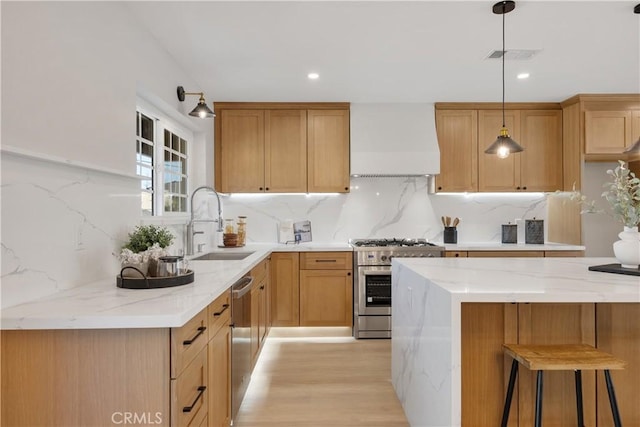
(627, 249)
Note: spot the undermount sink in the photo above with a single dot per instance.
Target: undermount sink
(223, 256)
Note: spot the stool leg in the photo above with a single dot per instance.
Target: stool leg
(538, 421)
(579, 398)
(507, 401)
(612, 399)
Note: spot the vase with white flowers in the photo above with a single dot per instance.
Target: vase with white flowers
(623, 195)
(147, 243)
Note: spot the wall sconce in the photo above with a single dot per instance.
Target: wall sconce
(201, 109)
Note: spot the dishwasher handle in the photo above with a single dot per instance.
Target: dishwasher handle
(241, 287)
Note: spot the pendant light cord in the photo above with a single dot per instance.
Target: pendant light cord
(503, 54)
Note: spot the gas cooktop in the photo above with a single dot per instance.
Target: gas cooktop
(394, 242)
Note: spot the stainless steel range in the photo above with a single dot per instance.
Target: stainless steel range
(372, 282)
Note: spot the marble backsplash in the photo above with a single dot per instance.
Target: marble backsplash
(61, 224)
(384, 207)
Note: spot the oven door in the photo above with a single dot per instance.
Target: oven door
(374, 290)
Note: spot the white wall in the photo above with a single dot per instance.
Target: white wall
(599, 231)
(71, 72)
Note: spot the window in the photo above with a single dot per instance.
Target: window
(162, 163)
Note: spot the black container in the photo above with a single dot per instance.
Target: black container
(450, 235)
(509, 233)
(534, 231)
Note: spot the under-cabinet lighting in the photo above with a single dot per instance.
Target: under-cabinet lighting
(265, 195)
(313, 76)
(529, 194)
(523, 76)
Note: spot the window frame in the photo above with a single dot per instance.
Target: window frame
(161, 123)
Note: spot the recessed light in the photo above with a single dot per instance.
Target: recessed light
(313, 76)
(523, 76)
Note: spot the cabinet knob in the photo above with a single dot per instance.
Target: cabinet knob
(524, 188)
(439, 188)
(348, 274)
(457, 255)
(518, 187)
(346, 188)
(266, 189)
(260, 188)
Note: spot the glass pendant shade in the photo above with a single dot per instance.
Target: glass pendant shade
(633, 148)
(503, 145)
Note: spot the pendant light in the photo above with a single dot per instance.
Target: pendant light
(201, 109)
(503, 145)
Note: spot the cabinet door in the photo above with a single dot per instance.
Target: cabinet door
(285, 287)
(485, 368)
(556, 324)
(494, 173)
(286, 151)
(618, 332)
(458, 141)
(541, 161)
(220, 378)
(326, 298)
(328, 145)
(256, 292)
(190, 394)
(607, 132)
(242, 151)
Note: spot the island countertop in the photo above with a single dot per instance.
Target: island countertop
(428, 295)
(102, 305)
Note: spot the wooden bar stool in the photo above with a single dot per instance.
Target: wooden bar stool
(574, 357)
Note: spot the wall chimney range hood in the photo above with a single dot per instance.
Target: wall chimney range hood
(394, 140)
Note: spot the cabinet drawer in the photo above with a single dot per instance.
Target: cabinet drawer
(219, 313)
(187, 341)
(189, 393)
(259, 272)
(326, 261)
(455, 254)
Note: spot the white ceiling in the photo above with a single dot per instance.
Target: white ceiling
(392, 51)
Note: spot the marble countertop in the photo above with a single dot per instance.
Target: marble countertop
(497, 246)
(102, 305)
(523, 279)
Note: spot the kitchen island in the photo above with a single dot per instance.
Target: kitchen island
(450, 317)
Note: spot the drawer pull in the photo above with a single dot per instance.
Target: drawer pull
(224, 308)
(201, 390)
(326, 260)
(201, 329)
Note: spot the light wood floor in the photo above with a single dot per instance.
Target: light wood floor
(322, 382)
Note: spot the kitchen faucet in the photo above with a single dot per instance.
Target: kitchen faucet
(190, 231)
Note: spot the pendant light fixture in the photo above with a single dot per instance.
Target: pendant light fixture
(503, 145)
(201, 109)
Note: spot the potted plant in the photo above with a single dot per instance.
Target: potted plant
(146, 244)
(623, 195)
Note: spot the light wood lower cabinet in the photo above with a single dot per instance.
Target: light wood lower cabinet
(512, 254)
(285, 288)
(326, 298)
(312, 288)
(164, 377)
(259, 311)
(485, 370)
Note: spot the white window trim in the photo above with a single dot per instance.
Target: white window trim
(162, 122)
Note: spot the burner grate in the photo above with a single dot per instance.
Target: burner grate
(391, 242)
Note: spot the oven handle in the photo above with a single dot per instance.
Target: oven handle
(376, 272)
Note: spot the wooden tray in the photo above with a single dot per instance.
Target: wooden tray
(615, 268)
(153, 282)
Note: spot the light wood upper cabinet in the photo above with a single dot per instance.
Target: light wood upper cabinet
(282, 147)
(606, 131)
(286, 151)
(494, 173)
(466, 130)
(601, 126)
(541, 161)
(241, 151)
(458, 141)
(328, 143)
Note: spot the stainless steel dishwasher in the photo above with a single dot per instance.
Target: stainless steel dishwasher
(240, 341)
